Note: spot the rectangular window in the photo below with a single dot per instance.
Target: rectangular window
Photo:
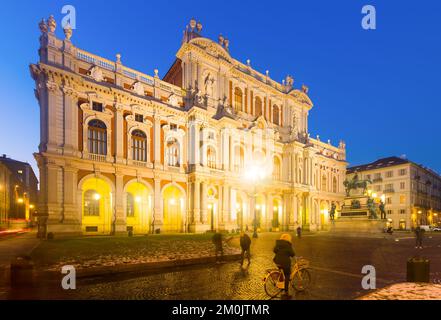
(389, 174)
(403, 211)
(389, 200)
(402, 185)
(139, 117)
(402, 199)
(96, 106)
(389, 211)
(377, 187)
(402, 172)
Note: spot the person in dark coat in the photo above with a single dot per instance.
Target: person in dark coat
(245, 243)
(299, 232)
(419, 234)
(218, 247)
(284, 252)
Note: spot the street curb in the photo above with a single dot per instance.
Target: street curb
(140, 267)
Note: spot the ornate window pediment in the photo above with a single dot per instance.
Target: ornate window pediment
(211, 47)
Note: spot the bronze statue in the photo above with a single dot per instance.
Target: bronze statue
(382, 210)
(332, 212)
(356, 183)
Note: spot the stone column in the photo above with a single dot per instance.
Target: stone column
(71, 215)
(157, 141)
(204, 203)
(268, 223)
(52, 108)
(118, 134)
(53, 207)
(226, 205)
(120, 219)
(70, 121)
(196, 202)
(157, 205)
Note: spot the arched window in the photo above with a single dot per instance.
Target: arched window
(91, 203)
(211, 157)
(97, 137)
(276, 169)
(324, 183)
(276, 119)
(334, 185)
(238, 158)
(238, 99)
(172, 154)
(258, 107)
(130, 208)
(139, 146)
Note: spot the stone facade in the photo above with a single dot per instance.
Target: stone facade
(412, 193)
(121, 150)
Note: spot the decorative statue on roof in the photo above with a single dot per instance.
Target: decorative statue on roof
(305, 89)
(209, 85)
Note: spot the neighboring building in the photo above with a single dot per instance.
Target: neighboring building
(18, 189)
(5, 187)
(121, 150)
(412, 193)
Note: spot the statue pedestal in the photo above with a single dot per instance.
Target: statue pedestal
(355, 217)
(361, 225)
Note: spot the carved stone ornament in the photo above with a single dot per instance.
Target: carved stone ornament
(173, 100)
(52, 24)
(138, 88)
(68, 32)
(97, 74)
(43, 26)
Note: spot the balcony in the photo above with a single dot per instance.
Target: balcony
(97, 157)
(389, 190)
(377, 179)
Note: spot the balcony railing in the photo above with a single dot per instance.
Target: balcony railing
(378, 179)
(97, 157)
(389, 190)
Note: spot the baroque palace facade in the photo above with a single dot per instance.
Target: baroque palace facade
(214, 145)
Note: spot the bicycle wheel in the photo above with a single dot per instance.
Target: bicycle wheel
(301, 280)
(270, 285)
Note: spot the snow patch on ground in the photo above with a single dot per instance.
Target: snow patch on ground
(406, 291)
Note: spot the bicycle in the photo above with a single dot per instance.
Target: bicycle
(274, 281)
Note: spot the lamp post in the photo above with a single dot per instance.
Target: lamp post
(254, 175)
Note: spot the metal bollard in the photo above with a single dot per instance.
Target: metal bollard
(22, 272)
(418, 270)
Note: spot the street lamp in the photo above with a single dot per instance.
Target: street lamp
(254, 175)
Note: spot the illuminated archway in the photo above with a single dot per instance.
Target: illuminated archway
(96, 206)
(138, 207)
(173, 209)
(277, 213)
(212, 209)
(324, 213)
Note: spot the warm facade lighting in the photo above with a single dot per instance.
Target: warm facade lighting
(20, 200)
(97, 196)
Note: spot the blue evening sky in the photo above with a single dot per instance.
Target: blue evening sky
(377, 90)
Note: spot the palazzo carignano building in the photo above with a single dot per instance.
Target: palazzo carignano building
(213, 145)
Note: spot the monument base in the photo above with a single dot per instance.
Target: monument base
(357, 225)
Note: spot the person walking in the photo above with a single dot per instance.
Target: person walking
(245, 243)
(419, 234)
(284, 252)
(299, 232)
(218, 247)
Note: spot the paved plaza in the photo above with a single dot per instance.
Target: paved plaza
(337, 262)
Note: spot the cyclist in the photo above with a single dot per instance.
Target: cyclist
(284, 252)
